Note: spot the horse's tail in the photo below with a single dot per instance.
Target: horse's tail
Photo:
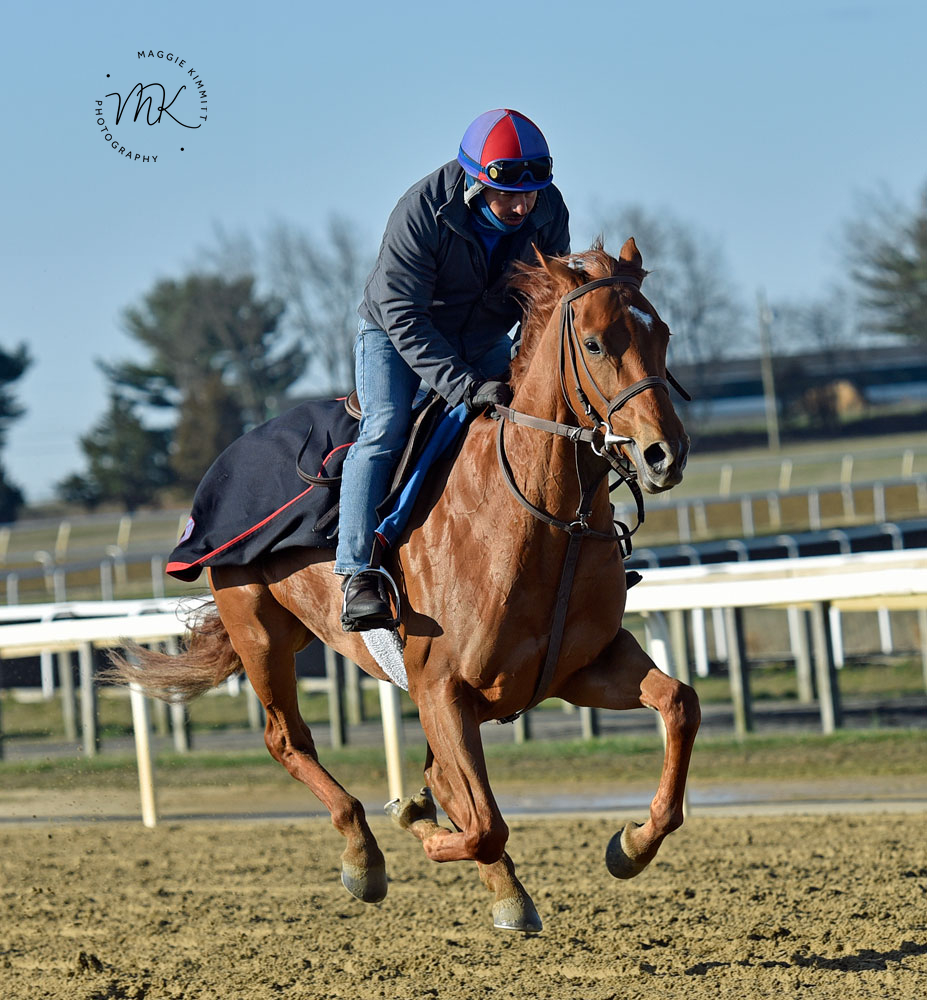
(204, 661)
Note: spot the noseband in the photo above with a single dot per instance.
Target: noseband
(600, 438)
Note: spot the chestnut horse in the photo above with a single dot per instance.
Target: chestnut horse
(478, 566)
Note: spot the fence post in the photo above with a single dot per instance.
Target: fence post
(801, 651)
(522, 728)
(835, 624)
(738, 671)
(88, 701)
(878, 503)
(179, 713)
(1, 708)
(849, 501)
(391, 716)
(47, 674)
(141, 726)
(68, 700)
(718, 627)
(700, 517)
(106, 579)
(679, 645)
(885, 631)
(746, 516)
(725, 479)
(682, 523)
(180, 726)
(814, 510)
(256, 714)
(157, 576)
(922, 628)
(589, 719)
(354, 695)
(775, 511)
(700, 642)
(825, 670)
(335, 675)
(159, 712)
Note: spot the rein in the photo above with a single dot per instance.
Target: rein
(600, 439)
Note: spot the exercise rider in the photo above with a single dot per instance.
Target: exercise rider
(436, 310)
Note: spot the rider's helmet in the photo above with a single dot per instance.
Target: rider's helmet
(505, 150)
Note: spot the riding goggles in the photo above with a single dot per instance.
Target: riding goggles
(512, 172)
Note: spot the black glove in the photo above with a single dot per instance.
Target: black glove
(488, 392)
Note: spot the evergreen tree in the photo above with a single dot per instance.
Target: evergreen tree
(214, 357)
(209, 324)
(209, 421)
(12, 366)
(126, 461)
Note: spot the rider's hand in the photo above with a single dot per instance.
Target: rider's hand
(488, 392)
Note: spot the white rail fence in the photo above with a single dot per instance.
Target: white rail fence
(813, 590)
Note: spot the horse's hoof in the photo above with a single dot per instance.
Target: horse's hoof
(368, 884)
(405, 812)
(514, 914)
(618, 859)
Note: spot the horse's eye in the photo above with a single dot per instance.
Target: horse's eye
(592, 345)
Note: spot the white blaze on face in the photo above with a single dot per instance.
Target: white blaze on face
(644, 318)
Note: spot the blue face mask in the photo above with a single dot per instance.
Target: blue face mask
(487, 213)
(482, 212)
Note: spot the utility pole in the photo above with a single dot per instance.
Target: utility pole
(766, 368)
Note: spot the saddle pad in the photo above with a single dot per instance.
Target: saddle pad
(273, 488)
(278, 487)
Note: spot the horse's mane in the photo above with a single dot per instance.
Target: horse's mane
(539, 293)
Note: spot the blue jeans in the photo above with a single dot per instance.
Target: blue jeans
(386, 390)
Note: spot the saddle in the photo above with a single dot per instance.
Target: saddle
(427, 416)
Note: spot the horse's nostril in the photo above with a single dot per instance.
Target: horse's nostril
(658, 456)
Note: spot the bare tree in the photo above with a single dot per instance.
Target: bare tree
(826, 325)
(321, 281)
(886, 249)
(687, 284)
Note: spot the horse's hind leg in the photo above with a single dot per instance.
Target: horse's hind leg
(622, 677)
(266, 636)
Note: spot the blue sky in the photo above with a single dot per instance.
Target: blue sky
(759, 124)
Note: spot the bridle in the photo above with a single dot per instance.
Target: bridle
(600, 439)
(569, 342)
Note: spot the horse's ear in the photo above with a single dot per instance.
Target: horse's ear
(558, 270)
(631, 254)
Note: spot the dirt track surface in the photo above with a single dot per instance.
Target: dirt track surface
(818, 906)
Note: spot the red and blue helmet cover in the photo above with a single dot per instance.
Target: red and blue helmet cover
(502, 134)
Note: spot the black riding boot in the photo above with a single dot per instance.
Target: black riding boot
(365, 604)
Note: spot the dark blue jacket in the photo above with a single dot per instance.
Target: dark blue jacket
(429, 289)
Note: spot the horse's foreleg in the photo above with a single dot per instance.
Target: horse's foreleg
(459, 779)
(623, 677)
(266, 636)
(512, 908)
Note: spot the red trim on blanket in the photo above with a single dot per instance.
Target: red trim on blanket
(173, 567)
